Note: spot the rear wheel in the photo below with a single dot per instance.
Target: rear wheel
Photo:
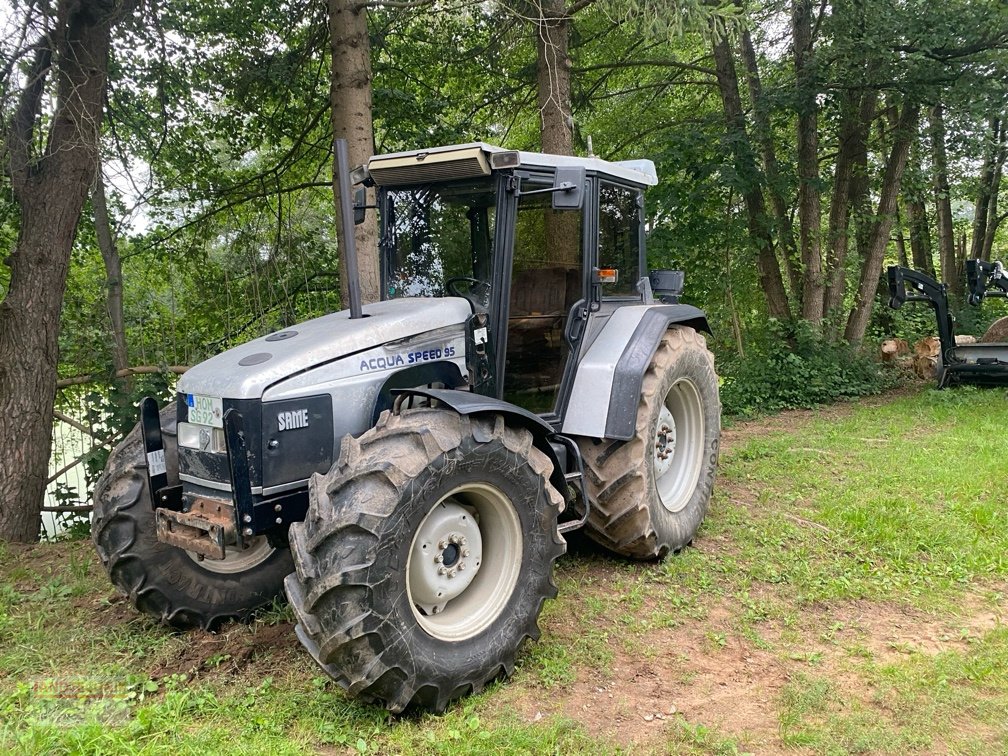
(426, 557)
(171, 584)
(649, 494)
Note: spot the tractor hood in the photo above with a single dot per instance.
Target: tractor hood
(246, 371)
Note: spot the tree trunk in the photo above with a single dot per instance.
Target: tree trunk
(903, 138)
(351, 116)
(900, 239)
(809, 209)
(113, 274)
(946, 241)
(858, 113)
(50, 190)
(553, 81)
(920, 237)
(986, 181)
(556, 122)
(761, 127)
(993, 219)
(748, 173)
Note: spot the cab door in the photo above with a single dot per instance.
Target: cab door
(544, 276)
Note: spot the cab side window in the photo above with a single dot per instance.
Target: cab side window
(620, 217)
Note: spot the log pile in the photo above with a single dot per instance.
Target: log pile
(925, 356)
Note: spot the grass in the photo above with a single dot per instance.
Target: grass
(844, 595)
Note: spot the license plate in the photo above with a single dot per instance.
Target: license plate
(205, 410)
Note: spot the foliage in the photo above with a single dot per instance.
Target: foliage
(788, 367)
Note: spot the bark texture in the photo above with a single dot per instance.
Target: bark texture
(752, 192)
(556, 121)
(351, 116)
(809, 209)
(858, 111)
(113, 275)
(946, 241)
(903, 137)
(50, 188)
(761, 123)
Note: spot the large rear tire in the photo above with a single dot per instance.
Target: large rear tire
(650, 494)
(164, 581)
(426, 557)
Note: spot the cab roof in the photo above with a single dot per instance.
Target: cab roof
(476, 159)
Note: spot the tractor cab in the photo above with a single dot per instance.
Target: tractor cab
(535, 243)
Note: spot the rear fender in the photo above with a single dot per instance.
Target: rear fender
(607, 384)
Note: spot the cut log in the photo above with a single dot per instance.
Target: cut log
(929, 346)
(904, 362)
(997, 333)
(893, 348)
(965, 339)
(925, 366)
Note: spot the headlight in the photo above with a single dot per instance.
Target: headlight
(201, 437)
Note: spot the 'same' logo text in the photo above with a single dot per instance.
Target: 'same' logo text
(292, 420)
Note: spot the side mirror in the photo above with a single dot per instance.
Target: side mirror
(359, 205)
(568, 188)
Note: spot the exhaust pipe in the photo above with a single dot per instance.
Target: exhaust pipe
(348, 241)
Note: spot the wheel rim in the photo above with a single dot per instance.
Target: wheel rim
(257, 550)
(464, 562)
(678, 445)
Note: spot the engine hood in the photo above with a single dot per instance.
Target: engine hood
(246, 371)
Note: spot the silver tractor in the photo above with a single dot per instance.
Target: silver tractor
(406, 470)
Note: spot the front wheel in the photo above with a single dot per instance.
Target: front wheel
(426, 557)
(170, 584)
(650, 494)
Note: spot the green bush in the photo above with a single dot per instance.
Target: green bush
(790, 366)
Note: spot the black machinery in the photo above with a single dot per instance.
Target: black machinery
(983, 364)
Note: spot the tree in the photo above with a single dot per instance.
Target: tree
(352, 119)
(50, 160)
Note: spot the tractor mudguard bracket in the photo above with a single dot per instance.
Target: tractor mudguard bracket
(162, 495)
(241, 486)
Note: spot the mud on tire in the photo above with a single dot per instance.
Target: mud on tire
(420, 493)
(645, 505)
(162, 580)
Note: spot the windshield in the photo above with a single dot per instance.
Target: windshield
(437, 240)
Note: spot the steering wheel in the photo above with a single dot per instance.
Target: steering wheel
(477, 300)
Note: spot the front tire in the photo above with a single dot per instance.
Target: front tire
(164, 581)
(426, 557)
(650, 494)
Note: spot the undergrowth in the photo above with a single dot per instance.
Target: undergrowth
(792, 366)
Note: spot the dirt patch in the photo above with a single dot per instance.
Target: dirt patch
(742, 431)
(889, 631)
(697, 673)
(706, 673)
(236, 649)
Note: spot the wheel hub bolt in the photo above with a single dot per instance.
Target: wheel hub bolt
(465, 552)
(442, 545)
(441, 570)
(438, 559)
(461, 565)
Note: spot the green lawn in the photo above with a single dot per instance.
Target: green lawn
(846, 594)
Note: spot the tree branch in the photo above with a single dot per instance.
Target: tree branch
(648, 63)
(19, 135)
